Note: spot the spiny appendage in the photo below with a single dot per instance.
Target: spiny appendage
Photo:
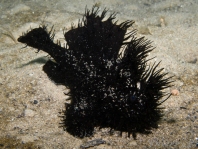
(93, 16)
(101, 38)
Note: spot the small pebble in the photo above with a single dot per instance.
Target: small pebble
(193, 61)
(132, 143)
(35, 101)
(29, 113)
(175, 92)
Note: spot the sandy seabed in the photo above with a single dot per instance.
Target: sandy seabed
(30, 103)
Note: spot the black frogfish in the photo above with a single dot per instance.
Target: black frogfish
(105, 67)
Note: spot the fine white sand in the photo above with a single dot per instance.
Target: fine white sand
(172, 25)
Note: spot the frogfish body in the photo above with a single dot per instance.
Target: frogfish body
(111, 84)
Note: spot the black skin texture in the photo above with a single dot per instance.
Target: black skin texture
(108, 89)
